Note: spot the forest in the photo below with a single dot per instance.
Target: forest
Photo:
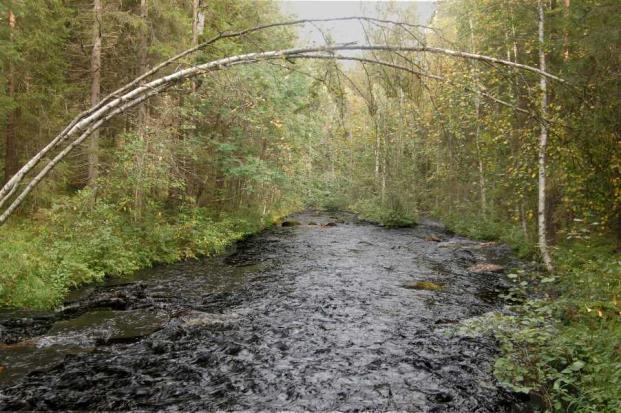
(137, 134)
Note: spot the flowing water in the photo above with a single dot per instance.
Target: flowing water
(307, 317)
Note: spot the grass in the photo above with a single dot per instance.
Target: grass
(491, 228)
(390, 217)
(79, 242)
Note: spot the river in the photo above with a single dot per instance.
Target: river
(322, 316)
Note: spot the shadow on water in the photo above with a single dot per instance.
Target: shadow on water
(307, 317)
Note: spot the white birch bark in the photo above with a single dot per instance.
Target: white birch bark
(114, 101)
(543, 143)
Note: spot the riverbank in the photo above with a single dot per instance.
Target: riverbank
(81, 241)
(325, 315)
(560, 346)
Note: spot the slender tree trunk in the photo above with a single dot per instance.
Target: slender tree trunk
(477, 133)
(543, 143)
(566, 5)
(524, 221)
(142, 57)
(195, 6)
(377, 149)
(142, 111)
(10, 142)
(400, 128)
(93, 145)
(384, 167)
(382, 155)
(514, 88)
(195, 30)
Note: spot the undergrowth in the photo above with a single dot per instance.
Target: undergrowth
(565, 346)
(81, 241)
(491, 228)
(391, 215)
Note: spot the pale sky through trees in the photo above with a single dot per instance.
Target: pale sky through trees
(346, 31)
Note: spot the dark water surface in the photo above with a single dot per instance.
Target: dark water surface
(309, 317)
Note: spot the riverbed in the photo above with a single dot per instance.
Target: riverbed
(328, 314)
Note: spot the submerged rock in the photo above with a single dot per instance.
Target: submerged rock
(290, 223)
(199, 319)
(486, 267)
(104, 326)
(324, 323)
(425, 285)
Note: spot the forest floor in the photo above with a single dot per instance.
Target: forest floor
(330, 313)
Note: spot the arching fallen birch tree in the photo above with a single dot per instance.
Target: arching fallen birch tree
(82, 126)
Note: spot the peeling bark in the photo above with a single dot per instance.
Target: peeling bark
(543, 143)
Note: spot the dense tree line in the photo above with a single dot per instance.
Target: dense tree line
(532, 157)
(182, 174)
(443, 147)
(464, 143)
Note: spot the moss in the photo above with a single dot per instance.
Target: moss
(425, 285)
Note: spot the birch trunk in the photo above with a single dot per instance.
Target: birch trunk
(93, 145)
(195, 6)
(543, 143)
(197, 28)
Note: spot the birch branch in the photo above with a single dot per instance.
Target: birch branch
(421, 74)
(6, 190)
(121, 103)
(61, 155)
(10, 186)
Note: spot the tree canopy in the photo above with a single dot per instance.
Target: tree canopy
(500, 117)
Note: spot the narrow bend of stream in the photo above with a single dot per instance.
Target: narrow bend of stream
(310, 317)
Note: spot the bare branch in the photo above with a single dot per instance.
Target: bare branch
(61, 155)
(414, 72)
(118, 104)
(7, 190)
